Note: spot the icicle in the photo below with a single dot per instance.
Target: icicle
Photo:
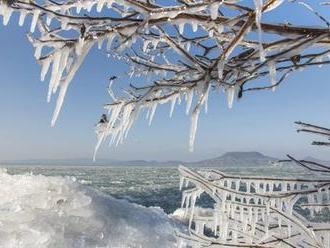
(193, 127)
(49, 19)
(100, 42)
(234, 234)
(64, 56)
(181, 182)
(109, 42)
(271, 187)
(214, 7)
(152, 113)
(145, 45)
(54, 74)
(22, 18)
(154, 44)
(37, 52)
(250, 214)
(221, 66)
(259, 6)
(35, 17)
(188, 45)
(6, 13)
(100, 5)
(220, 28)
(181, 27)
(187, 182)
(237, 183)
(195, 113)
(211, 33)
(80, 45)
(78, 7)
(68, 64)
(192, 208)
(64, 23)
(272, 73)
(44, 68)
(241, 213)
(248, 186)
(65, 83)
(109, 3)
(229, 184)
(173, 101)
(216, 222)
(89, 6)
(194, 26)
(225, 229)
(187, 204)
(230, 95)
(189, 97)
(184, 196)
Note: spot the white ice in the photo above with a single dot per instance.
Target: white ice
(39, 211)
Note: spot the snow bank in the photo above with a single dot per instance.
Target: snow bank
(39, 211)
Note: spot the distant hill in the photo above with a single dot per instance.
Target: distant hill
(229, 159)
(237, 159)
(89, 162)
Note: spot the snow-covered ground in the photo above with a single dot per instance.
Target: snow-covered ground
(46, 211)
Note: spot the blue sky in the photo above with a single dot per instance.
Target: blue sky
(261, 121)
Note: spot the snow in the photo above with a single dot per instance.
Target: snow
(60, 212)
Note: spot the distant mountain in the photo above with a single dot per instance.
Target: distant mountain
(229, 159)
(89, 162)
(237, 159)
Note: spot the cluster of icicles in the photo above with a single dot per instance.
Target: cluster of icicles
(123, 114)
(253, 211)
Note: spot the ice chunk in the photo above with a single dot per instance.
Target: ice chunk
(58, 211)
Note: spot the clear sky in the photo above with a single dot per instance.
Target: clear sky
(260, 121)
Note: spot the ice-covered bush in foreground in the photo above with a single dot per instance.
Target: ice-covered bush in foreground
(255, 211)
(260, 211)
(39, 211)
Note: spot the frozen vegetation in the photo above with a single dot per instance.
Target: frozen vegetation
(40, 211)
(255, 211)
(182, 50)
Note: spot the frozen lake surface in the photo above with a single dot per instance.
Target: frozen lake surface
(142, 185)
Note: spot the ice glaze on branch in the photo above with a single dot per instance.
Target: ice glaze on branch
(258, 211)
(218, 51)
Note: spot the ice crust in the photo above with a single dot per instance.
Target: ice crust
(40, 211)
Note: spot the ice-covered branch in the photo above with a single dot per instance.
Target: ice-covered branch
(253, 211)
(258, 211)
(185, 48)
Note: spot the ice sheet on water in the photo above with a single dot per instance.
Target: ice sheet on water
(40, 211)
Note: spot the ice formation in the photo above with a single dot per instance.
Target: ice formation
(39, 211)
(253, 211)
(185, 48)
